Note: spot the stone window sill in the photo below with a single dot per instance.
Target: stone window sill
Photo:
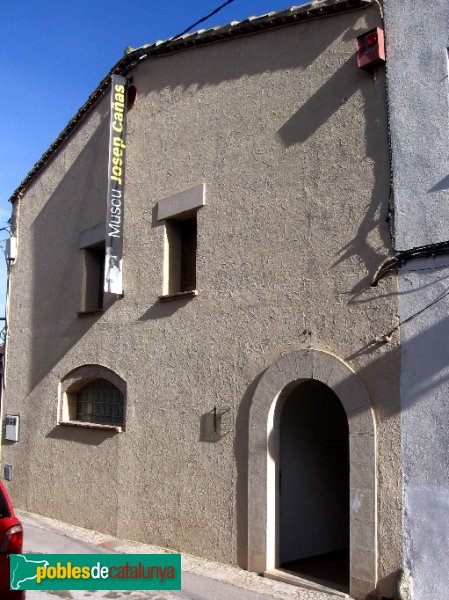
(178, 295)
(116, 428)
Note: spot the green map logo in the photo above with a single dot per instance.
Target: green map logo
(24, 570)
(95, 571)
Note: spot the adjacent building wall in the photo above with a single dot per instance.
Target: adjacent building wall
(417, 44)
(290, 140)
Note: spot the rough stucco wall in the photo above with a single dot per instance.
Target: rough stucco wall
(425, 418)
(290, 139)
(417, 42)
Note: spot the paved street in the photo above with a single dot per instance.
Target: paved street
(201, 579)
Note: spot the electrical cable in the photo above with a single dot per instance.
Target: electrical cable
(419, 312)
(211, 14)
(121, 68)
(8, 269)
(189, 28)
(381, 10)
(401, 257)
(386, 338)
(134, 56)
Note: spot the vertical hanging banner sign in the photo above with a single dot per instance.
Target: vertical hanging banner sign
(116, 187)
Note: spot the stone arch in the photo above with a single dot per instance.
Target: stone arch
(269, 396)
(79, 377)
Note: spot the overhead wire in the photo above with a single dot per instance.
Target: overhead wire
(120, 68)
(211, 14)
(402, 256)
(386, 338)
(190, 27)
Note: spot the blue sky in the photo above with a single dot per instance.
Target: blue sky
(53, 54)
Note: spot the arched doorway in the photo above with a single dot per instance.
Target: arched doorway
(273, 390)
(314, 485)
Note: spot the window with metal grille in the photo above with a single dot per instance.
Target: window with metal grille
(100, 402)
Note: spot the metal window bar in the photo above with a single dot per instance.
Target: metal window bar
(100, 402)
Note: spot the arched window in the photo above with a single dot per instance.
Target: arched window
(93, 396)
(99, 401)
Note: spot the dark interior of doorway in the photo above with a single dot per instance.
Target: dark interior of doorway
(330, 569)
(314, 486)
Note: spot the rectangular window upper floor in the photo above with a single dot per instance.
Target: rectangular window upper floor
(92, 247)
(179, 213)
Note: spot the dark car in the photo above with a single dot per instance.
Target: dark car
(11, 542)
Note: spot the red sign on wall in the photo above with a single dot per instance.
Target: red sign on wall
(371, 48)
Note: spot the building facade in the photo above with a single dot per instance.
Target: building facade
(420, 161)
(240, 400)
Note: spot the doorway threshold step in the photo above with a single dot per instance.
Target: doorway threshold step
(285, 577)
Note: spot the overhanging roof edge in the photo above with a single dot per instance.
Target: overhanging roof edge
(252, 25)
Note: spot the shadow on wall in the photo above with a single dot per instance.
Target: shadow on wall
(241, 459)
(339, 88)
(316, 111)
(78, 202)
(236, 59)
(377, 216)
(162, 310)
(358, 299)
(312, 115)
(385, 370)
(215, 425)
(382, 372)
(80, 435)
(441, 185)
(431, 371)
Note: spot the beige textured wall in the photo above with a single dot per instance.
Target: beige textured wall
(291, 141)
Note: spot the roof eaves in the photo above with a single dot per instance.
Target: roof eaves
(295, 14)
